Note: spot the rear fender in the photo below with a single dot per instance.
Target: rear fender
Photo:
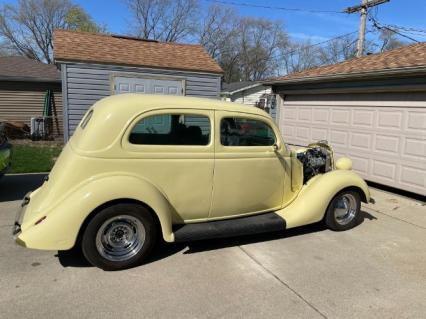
(60, 229)
(312, 201)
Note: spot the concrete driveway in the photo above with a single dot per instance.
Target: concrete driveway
(377, 270)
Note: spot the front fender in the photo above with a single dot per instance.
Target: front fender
(312, 201)
(63, 222)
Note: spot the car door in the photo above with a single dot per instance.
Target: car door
(174, 150)
(248, 175)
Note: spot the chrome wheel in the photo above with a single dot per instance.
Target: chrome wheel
(345, 209)
(120, 238)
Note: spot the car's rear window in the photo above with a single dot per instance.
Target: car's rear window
(86, 119)
(172, 129)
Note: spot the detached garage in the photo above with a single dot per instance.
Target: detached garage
(94, 66)
(371, 109)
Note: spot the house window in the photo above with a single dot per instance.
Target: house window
(238, 131)
(172, 129)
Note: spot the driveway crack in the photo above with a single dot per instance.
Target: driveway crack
(283, 283)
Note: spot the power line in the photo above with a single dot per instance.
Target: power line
(380, 26)
(408, 29)
(243, 4)
(323, 42)
(329, 61)
(363, 10)
(316, 44)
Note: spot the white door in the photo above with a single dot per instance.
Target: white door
(383, 133)
(147, 86)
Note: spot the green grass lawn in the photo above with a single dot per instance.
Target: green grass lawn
(33, 159)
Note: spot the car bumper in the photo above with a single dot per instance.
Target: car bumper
(16, 229)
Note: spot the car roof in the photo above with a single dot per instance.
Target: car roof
(139, 103)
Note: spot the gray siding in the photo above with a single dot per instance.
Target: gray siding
(87, 83)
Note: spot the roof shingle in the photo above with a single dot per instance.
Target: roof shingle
(405, 57)
(109, 49)
(22, 68)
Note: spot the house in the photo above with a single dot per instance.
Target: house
(94, 66)
(250, 93)
(372, 109)
(23, 86)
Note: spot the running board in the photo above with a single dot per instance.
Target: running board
(269, 222)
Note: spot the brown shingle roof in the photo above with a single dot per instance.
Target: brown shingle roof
(22, 68)
(405, 57)
(100, 48)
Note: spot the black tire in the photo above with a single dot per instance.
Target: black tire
(335, 220)
(116, 224)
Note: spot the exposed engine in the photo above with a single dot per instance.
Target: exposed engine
(316, 160)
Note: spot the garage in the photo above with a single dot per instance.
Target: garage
(372, 114)
(94, 66)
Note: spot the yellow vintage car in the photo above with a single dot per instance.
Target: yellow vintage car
(138, 167)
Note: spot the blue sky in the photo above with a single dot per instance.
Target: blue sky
(300, 25)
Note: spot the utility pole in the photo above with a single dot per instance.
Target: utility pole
(362, 8)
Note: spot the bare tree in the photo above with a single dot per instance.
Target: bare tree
(28, 26)
(299, 56)
(246, 48)
(7, 50)
(218, 34)
(165, 20)
(389, 40)
(218, 30)
(338, 50)
(261, 43)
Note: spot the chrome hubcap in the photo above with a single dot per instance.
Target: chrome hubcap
(345, 209)
(120, 238)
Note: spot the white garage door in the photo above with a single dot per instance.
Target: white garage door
(148, 86)
(384, 134)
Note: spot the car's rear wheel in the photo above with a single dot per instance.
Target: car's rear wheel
(344, 211)
(119, 237)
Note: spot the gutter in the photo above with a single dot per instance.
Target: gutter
(243, 89)
(136, 66)
(352, 76)
(28, 79)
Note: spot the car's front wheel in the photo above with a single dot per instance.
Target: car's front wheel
(119, 237)
(344, 211)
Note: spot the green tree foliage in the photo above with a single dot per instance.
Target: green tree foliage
(77, 19)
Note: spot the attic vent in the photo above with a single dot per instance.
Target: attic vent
(131, 38)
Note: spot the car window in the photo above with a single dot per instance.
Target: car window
(238, 131)
(172, 129)
(86, 119)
